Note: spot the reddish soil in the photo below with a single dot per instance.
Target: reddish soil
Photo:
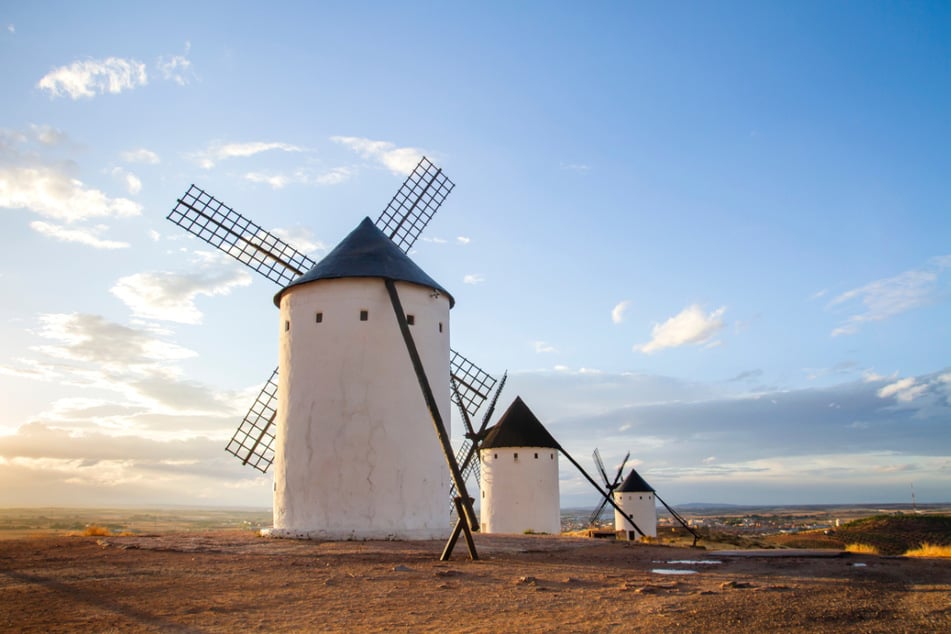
(235, 581)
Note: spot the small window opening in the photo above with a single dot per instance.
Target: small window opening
(496, 456)
(552, 456)
(483, 495)
(364, 315)
(287, 326)
(440, 326)
(536, 456)
(410, 319)
(516, 457)
(319, 318)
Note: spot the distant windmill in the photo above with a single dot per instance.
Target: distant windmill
(520, 491)
(609, 485)
(343, 421)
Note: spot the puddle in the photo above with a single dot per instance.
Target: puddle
(858, 565)
(696, 562)
(672, 571)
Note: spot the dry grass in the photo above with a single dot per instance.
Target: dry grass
(861, 549)
(930, 550)
(95, 530)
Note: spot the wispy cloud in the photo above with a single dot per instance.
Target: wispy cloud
(617, 313)
(463, 240)
(87, 78)
(399, 160)
(140, 155)
(543, 347)
(88, 236)
(133, 183)
(48, 187)
(279, 180)
(171, 296)
(903, 390)
(176, 68)
(689, 326)
(575, 167)
(219, 151)
(891, 296)
(473, 278)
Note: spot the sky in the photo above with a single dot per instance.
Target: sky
(715, 235)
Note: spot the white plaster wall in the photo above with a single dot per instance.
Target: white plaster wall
(641, 506)
(356, 453)
(520, 494)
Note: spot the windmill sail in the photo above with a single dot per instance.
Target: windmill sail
(414, 204)
(253, 441)
(473, 383)
(608, 485)
(222, 227)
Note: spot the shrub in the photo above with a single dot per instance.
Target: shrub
(95, 530)
(861, 549)
(930, 550)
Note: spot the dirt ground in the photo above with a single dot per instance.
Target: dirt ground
(230, 581)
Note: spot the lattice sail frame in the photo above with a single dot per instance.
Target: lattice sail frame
(474, 384)
(414, 204)
(221, 226)
(253, 441)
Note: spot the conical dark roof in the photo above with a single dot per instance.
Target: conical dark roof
(519, 427)
(367, 252)
(635, 483)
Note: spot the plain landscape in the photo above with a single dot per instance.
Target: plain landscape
(207, 570)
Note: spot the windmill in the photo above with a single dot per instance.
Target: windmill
(373, 252)
(609, 485)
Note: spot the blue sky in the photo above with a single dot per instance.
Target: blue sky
(713, 234)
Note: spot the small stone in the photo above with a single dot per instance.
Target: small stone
(446, 573)
(736, 584)
(402, 568)
(526, 581)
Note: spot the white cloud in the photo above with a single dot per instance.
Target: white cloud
(87, 78)
(278, 180)
(133, 183)
(84, 337)
(11, 28)
(48, 135)
(176, 68)
(463, 240)
(575, 167)
(473, 278)
(218, 151)
(891, 296)
(300, 238)
(542, 347)
(48, 191)
(275, 181)
(397, 160)
(171, 296)
(140, 155)
(88, 236)
(904, 390)
(689, 326)
(617, 313)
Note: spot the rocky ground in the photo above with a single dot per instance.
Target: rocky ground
(231, 581)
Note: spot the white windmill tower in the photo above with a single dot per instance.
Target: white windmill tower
(364, 353)
(520, 475)
(636, 498)
(355, 454)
